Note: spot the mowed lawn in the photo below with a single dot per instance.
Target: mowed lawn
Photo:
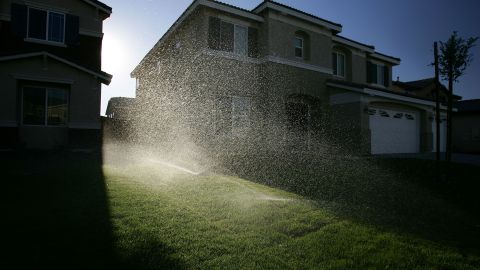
(75, 210)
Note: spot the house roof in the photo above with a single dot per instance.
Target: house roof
(105, 77)
(296, 12)
(254, 15)
(418, 84)
(116, 102)
(355, 43)
(99, 5)
(421, 84)
(471, 105)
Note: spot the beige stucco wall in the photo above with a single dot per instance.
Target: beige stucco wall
(280, 41)
(89, 19)
(359, 70)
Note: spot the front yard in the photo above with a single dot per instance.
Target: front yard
(76, 210)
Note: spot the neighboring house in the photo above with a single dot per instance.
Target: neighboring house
(50, 72)
(466, 126)
(426, 89)
(120, 108)
(276, 78)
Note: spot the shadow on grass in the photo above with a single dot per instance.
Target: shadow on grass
(55, 214)
(393, 194)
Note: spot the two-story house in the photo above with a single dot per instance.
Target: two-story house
(50, 72)
(273, 78)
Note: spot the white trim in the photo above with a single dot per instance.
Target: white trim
(9, 124)
(385, 58)
(343, 41)
(5, 17)
(84, 125)
(393, 96)
(87, 32)
(29, 77)
(107, 78)
(296, 14)
(269, 58)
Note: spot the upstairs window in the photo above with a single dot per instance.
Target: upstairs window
(377, 74)
(46, 25)
(380, 69)
(298, 46)
(229, 37)
(338, 64)
(240, 45)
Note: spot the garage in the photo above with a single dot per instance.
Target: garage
(394, 131)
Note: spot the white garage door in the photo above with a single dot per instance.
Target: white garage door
(394, 131)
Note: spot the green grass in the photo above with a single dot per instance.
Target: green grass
(72, 210)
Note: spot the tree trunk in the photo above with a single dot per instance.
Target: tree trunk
(437, 112)
(448, 156)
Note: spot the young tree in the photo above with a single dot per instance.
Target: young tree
(454, 59)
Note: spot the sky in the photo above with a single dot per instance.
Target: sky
(405, 29)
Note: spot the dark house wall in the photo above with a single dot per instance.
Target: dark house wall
(81, 49)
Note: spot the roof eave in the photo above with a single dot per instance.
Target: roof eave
(103, 76)
(392, 60)
(335, 27)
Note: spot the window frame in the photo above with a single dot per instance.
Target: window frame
(295, 47)
(336, 53)
(235, 26)
(380, 70)
(45, 121)
(46, 40)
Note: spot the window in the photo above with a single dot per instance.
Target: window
(46, 25)
(377, 74)
(380, 74)
(232, 116)
(44, 106)
(240, 115)
(298, 45)
(229, 37)
(240, 45)
(338, 64)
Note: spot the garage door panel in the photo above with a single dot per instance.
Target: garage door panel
(394, 131)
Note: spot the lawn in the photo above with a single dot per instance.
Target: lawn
(77, 210)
